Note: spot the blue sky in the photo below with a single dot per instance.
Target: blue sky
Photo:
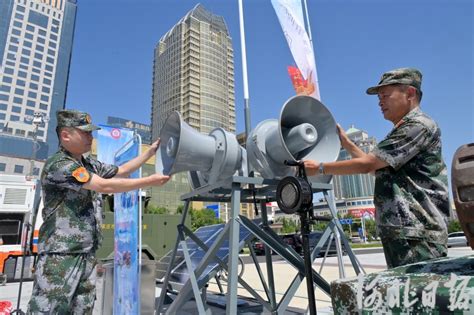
(355, 41)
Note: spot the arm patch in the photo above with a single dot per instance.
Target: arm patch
(81, 174)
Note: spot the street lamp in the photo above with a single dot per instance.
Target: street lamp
(37, 120)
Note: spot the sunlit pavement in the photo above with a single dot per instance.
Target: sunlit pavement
(284, 274)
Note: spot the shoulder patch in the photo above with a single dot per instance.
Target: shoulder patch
(81, 174)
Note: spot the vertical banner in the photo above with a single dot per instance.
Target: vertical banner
(126, 266)
(111, 140)
(290, 15)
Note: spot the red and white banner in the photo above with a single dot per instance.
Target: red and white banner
(290, 15)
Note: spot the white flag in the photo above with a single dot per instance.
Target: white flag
(290, 15)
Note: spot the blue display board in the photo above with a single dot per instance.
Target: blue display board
(118, 146)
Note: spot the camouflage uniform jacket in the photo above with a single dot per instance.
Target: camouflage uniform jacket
(72, 215)
(411, 194)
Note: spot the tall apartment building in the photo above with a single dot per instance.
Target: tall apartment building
(357, 185)
(193, 73)
(36, 39)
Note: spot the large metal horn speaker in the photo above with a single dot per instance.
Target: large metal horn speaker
(462, 182)
(209, 158)
(306, 130)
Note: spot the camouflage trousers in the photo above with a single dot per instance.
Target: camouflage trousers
(64, 284)
(403, 251)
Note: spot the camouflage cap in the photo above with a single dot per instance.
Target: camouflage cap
(75, 119)
(408, 76)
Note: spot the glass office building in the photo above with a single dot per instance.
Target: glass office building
(194, 73)
(36, 39)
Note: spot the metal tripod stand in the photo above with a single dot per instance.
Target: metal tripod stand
(236, 193)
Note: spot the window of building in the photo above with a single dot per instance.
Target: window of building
(14, 39)
(24, 60)
(46, 89)
(14, 118)
(36, 70)
(55, 22)
(16, 109)
(33, 86)
(50, 60)
(30, 28)
(18, 16)
(27, 43)
(20, 82)
(42, 32)
(37, 64)
(25, 52)
(3, 106)
(36, 171)
(8, 70)
(39, 48)
(5, 88)
(29, 112)
(18, 169)
(13, 48)
(47, 81)
(20, 8)
(22, 74)
(17, 100)
(54, 37)
(10, 63)
(30, 103)
(40, 133)
(24, 67)
(35, 77)
(17, 24)
(2, 115)
(20, 132)
(38, 19)
(51, 52)
(19, 91)
(11, 57)
(52, 44)
(41, 40)
(48, 68)
(38, 56)
(28, 36)
(3, 97)
(32, 94)
(44, 98)
(43, 106)
(3, 166)
(16, 32)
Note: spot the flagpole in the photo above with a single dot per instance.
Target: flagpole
(244, 73)
(307, 23)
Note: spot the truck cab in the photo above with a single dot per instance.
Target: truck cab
(18, 194)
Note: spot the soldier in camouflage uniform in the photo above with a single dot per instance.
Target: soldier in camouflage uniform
(64, 281)
(411, 192)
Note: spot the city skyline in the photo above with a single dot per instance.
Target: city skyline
(354, 43)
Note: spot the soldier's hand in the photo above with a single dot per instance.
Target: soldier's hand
(154, 146)
(159, 179)
(311, 167)
(345, 141)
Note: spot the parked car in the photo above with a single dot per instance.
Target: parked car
(258, 248)
(457, 239)
(293, 240)
(314, 238)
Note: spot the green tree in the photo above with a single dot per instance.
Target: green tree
(203, 217)
(454, 226)
(289, 226)
(370, 229)
(152, 209)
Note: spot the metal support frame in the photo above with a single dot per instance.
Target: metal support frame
(221, 192)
